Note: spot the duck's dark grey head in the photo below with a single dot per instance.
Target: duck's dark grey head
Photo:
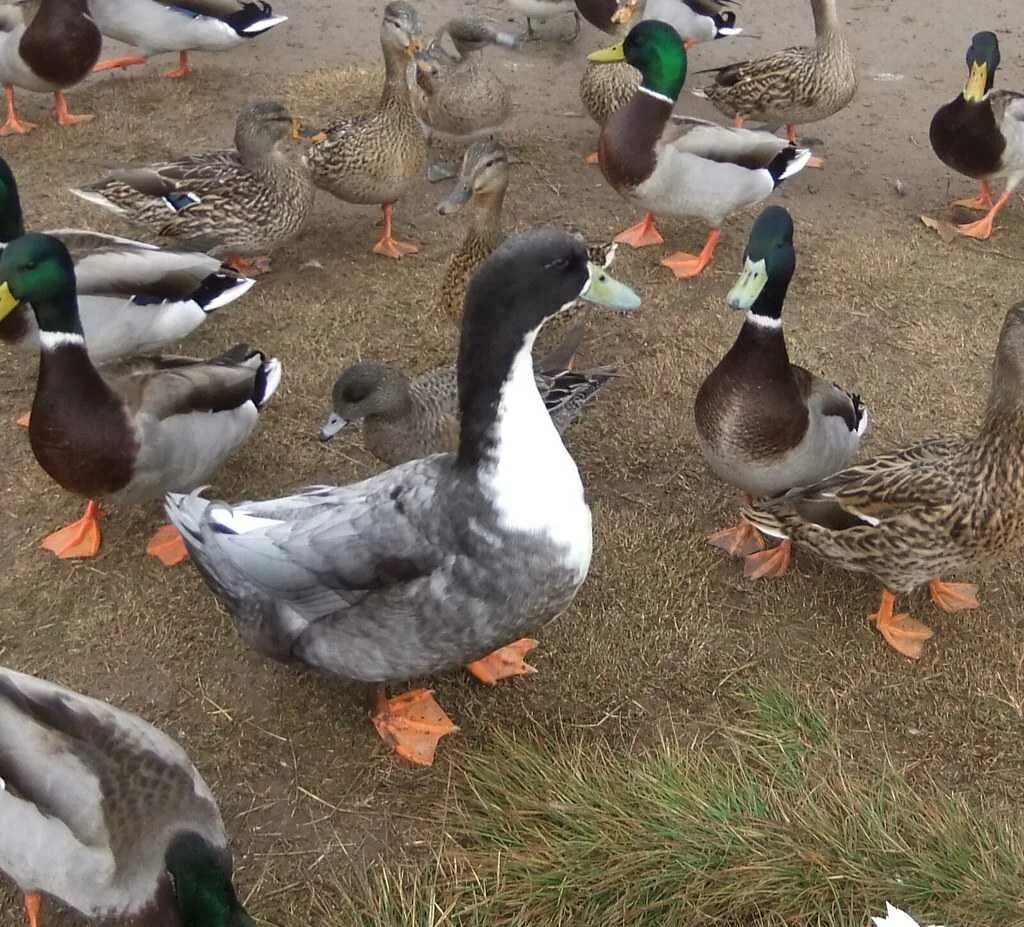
(261, 126)
(400, 29)
(363, 390)
(768, 264)
(982, 63)
(201, 879)
(11, 221)
(484, 173)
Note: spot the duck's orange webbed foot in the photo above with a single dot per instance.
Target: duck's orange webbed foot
(953, 597)
(641, 235)
(982, 229)
(685, 266)
(23, 420)
(389, 246)
(79, 540)
(250, 266)
(124, 61)
(14, 124)
(167, 546)
(592, 158)
(33, 904)
(768, 564)
(64, 116)
(741, 540)
(904, 634)
(412, 723)
(982, 201)
(183, 66)
(504, 663)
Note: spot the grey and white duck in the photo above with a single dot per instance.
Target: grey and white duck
(106, 813)
(440, 562)
(764, 424)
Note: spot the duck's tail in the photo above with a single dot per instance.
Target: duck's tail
(571, 390)
(254, 19)
(791, 160)
(221, 288)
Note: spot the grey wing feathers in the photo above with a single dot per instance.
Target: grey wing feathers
(747, 147)
(824, 398)
(214, 8)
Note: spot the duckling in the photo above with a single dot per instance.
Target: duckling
(237, 205)
(794, 86)
(981, 134)
(908, 517)
(765, 425)
(132, 432)
(437, 562)
(45, 46)
(375, 157)
(682, 166)
(106, 813)
(158, 26)
(544, 10)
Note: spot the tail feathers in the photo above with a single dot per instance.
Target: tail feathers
(268, 379)
(700, 94)
(505, 39)
(571, 390)
(98, 199)
(789, 161)
(221, 288)
(860, 413)
(765, 522)
(254, 19)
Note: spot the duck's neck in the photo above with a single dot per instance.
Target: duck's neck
(1003, 423)
(395, 94)
(485, 218)
(826, 20)
(629, 141)
(762, 337)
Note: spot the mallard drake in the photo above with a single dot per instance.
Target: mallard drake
(981, 134)
(107, 813)
(682, 166)
(238, 205)
(460, 97)
(404, 419)
(45, 46)
(181, 26)
(765, 425)
(913, 515)
(375, 157)
(133, 297)
(437, 562)
(134, 431)
(544, 10)
(795, 86)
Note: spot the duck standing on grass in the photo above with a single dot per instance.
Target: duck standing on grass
(765, 425)
(945, 505)
(107, 814)
(132, 432)
(680, 166)
(981, 134)
(440, 562)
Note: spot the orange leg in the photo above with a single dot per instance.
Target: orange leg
(412, 723)
(81, 539)
(167, 546)
(23, 420)
(904, 634)
(738, 120)
(953, 597)
(742, 540)
(124, 61)
(504, 663)
(63, 115)
(592, 158)
(183, 67)
(685, 265)
(386, 244)
(14, 125)
(689, 43)
(642, 234)
(250, 266)
(982, 201)
(982, 229)
(791, 133)
(33, 902)
(769, 563)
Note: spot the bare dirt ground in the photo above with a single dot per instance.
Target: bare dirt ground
(666, 628)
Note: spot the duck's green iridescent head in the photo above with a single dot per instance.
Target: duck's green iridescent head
(11, 222)
(655, 49)
(982, 62)
(37, 269)
(203, 890)
(768, 265)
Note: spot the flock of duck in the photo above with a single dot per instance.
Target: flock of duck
(479, 533)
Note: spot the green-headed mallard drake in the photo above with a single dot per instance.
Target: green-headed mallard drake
(909, 517)
(375, 157)
(765, 425)
(45, 46)
(680, 166)
(134, 431)
(237, 205)
(435, 563)
(404, 418)
(795, 86)
(106, 813)
(181, 26)
(981, 134)
(544, 10)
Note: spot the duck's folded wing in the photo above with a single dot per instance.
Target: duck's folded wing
(214, 8)
(829, 399)
(1008, 109)
(746, 147)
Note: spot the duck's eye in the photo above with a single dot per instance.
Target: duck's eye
(558, 264)
(31, 265)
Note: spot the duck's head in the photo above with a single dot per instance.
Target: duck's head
(201, 881)
(37, 269)
(260, 127)
(11, 222)
(483, 175)
(656, 50)
(768, 265)
(363, 390)
(400, 29)
(982, 63)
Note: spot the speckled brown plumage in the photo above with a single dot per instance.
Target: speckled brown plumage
(604, 87)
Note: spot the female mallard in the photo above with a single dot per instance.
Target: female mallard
(682, 167)
(437, 562)
(765, 425)
(237, 205)
(375, 157)
(46, 46)
(981, 134)
(794, 86)
(130, 433)
(181, 26)
(107, 813)
(908, 517)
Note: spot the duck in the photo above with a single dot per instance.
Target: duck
(133, 297)
(460, 97)
(979, 134)
(545, 10)
(376, 157)
(944, 505)
(682, 166)
(765, 425)
(404, 419)
(794, 86)
(133, 431)
(158, 26)
(46, 46)
(106, 813)
(237, 205)
(440, 562)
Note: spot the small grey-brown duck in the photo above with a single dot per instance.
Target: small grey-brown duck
(376, 157)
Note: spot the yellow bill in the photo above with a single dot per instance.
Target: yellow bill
(8, 301)
(611, 53)
(976, 83)
(744, 293)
